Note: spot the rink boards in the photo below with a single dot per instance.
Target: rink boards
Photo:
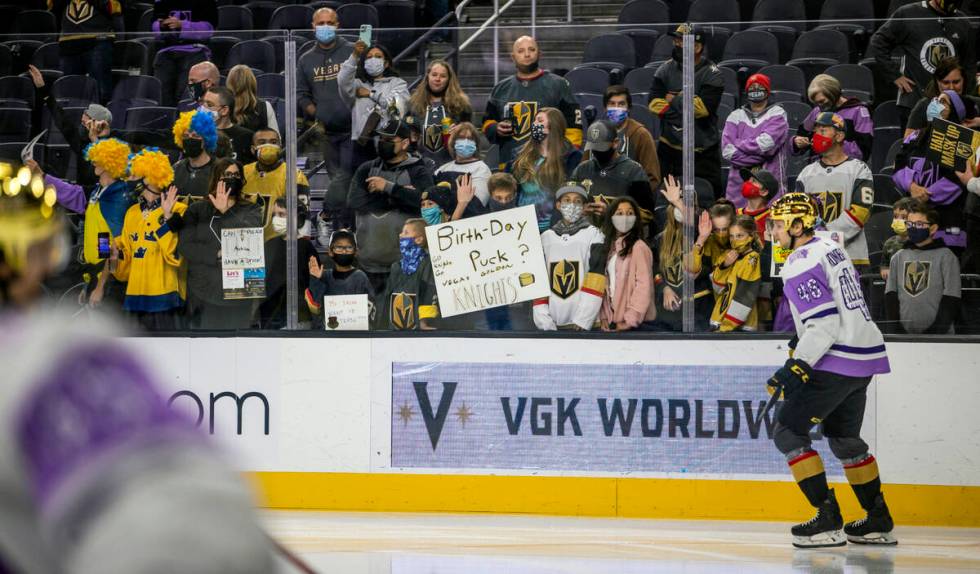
(593, 427)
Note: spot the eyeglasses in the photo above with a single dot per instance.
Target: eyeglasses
(917, 224)
(342, 248)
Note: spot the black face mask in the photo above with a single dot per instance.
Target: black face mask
(342, 259)
(197, 90)
(528, 69)
(499, 206)
(678, 55)
(233, 185)
(604, 157)
(193, 147)
(386, 150)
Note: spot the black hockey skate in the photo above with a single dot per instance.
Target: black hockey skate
(824, 529)
(875, 528)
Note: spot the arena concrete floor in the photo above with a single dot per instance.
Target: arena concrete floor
(378, 543)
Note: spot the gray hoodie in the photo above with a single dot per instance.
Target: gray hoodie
(383, 89)
(317, 84)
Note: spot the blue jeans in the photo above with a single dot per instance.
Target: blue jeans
(95, 62)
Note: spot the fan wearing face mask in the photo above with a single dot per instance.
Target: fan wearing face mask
(265, 179)
(737, 281)
(196, 134)
(464, 148)
(826, 94)
(635, 141)
(272, 311)
(574, 252)
(629, 269)
(341, 278)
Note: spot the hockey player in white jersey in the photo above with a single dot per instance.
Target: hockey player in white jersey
(573, 251)
(838, 349)
(843, 186)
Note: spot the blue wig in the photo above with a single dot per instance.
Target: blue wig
(203, 125)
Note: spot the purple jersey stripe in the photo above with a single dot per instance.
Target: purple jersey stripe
(824, 313)
(853, 367)
(859, 350)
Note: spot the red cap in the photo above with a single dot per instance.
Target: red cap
(761, 79)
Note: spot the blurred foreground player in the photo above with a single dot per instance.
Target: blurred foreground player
(97, 473)
(838, 350)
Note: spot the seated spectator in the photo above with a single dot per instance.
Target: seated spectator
(737, 280)
(502, 189)
(85, 41)
(343, 278)
(221, 104)
(375, 93)
(438, 203)
(894, 244)
(635, 141)
(757, 190)
(928, 183)
(629, 269)
(197, 137)
(200, 78)
(409, 300)
(612, 175)
(923, 294)
(272, 311)
(755, 137)
(826, 94)
(265, 180)
(576, 261)
(384, 193)
(199, 232)
(147, 249)
(464, 149)
(949, 75)
(181, 29)
(95, 124)
(543, 164)
(440, 105)
(251, 113)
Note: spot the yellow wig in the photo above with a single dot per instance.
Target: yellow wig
(110, 154)
(153, 167)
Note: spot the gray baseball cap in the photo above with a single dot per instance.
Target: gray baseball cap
(99, 113)
(600, 135)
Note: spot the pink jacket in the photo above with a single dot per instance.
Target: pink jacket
(634, 285)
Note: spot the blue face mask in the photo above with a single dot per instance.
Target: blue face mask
(326, 33)
(934, 110)
(412, 255)
(617, 115)
(464, 148)
(432, 215)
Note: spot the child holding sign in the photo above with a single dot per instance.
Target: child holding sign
(343, 279)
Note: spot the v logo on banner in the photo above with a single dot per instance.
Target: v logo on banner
(434, 422)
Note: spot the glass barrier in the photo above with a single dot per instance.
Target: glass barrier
(440, 181)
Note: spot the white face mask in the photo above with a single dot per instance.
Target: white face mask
(623, 223)
(279, 224)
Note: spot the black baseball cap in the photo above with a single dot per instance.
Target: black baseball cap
(768, 180)
(395, 128)
(689, 29)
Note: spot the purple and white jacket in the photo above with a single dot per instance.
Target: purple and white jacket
(752, 140)
(835, 330)
(860, 128)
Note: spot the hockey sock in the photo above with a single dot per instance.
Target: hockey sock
(808, 471)
(862, 473)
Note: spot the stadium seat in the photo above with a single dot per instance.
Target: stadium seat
(610, 52)
(144, 87)
(878, 229)
(645, 14)
(784, 19)
(130, 57)
(119, 107)
(817, 50)
(785, 39)
(853, 16)
(725, 12)
(132, 11)
(732, 86)
(10, 150)
(586, 100)
(896, 4)
(704, 191)
(786, 80)
(661, 52)
(396, 19)
(886, 194)
(639, 82)
(262, 11)
(795, 114)
(15, 124)
(47, 57)
(856, 81)
(715, 40)
(233, 20)
(75, 90)
(278, 44)
(729, 100)
(643, 43)
(887, 114)
(150, 118)
(220, 48)
(749, 51)
(258, 54)
(724, 110)
(883, 147)
(352, 16)
(6, 60)
(22, 52)
(649, 120)
(16, 91)
(146, 21)
(36, 23)
(292, 17)
(54, 135)
(588, 80)
(271, 85)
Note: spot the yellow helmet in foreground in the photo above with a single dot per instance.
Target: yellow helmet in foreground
(793, 206)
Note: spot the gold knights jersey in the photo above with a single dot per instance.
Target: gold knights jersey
(265, 187)
(736, 291)
(576, 274)
(845, 193)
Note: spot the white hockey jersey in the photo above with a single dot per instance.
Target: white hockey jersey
(834, 326)
(576, 274)
(845, 193)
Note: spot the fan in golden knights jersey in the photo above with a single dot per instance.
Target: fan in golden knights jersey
(575, 259)
(409, 302)
(838, 349)
(843, 186)
(516, 100)
(438, 104)
(738, 279)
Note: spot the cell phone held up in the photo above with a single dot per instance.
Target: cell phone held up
(365, 34)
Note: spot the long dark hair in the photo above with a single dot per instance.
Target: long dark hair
(945, 67)
(609, 230)
(362, 74)
(218, 171)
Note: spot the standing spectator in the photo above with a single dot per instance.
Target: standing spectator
(438, 204)
(409, 302)
(543, 164)
(197, 137)
(895, 243)
(923, 33)
(181, 29)
(374, 92)
(949, 75)
(147, 248)
(384, 193)
(843, 186)
(502, 188)
(576, 261)
(755, 137)
(629, 269)
(709, 84)
(928, 299)
(738, 279)
(265, 180)
(199, 231)
(439, 105)
(516, 102)
(272, 311)
(826, 95)
(758, 188)
(343, 278)
(200, 78)
(464, 149)
(251, 113)
(221, 103)
(713, 240)
(635, 141)
(932, 184)
(85, 42)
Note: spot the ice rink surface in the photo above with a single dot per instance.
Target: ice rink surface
(376, 543)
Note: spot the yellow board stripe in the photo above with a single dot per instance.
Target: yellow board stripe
(806, 466)
(663, 498)
(862, 474)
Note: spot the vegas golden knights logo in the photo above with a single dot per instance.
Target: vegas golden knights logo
(403, 311)
(433, 138)
(936, 53)
(916, 277)
(564, 278)
(831, 203)
(524, 113)
(672, 273)
(79, 11)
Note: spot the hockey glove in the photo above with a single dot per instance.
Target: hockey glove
(792, 345)
(791, 376)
